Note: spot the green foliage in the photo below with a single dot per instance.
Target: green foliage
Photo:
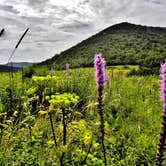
(132, 119)
(44, 79)
(43, 86)
(28, 72)
(65, 100)
(145, 71)
(12, 101)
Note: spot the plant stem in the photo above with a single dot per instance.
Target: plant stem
(162, 140)
(64, 127)
(52, 128)
(84, 161)
(102, 127)
(64, 135)
(1, 135)
(161, 145)
(30, 134)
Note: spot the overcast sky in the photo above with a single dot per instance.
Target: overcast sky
(56, 25)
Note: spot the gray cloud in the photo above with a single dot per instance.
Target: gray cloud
(76, 25)
(8, 8)
(57, 25)
(36, 2)
(159, 2)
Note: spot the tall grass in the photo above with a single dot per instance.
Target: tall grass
(132, 122)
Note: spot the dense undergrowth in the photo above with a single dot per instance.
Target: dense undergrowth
(132, 111)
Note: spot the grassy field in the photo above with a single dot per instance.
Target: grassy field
(132, 110)
(5, 78)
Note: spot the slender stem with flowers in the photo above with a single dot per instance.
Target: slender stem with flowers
(162, 141)
(99, 64)
(52, 71)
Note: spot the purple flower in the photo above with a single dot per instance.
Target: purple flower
(67, 67)
(163, 68)
(52, 72)
(163, 82)
(162, 140)
(99, 64)
(107, 79)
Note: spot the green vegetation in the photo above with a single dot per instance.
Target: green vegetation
(53, 119)
(120, 44)
(27, 110)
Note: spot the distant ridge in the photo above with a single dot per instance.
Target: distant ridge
(4, 68)
(19, 64)
(122, 43)
(15, 66)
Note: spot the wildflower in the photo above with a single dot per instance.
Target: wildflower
(67, 67)
(52, 72)
(162, 140)
(99, 64)
(107, 79)
(163, 82)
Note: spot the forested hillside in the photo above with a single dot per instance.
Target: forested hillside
(122, 43)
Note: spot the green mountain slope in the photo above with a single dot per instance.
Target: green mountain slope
(122, 43)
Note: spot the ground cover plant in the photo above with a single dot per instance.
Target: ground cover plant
(52, 119)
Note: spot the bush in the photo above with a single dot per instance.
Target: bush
(28, 72)
(144, 71)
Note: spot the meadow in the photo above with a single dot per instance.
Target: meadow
(34, 112)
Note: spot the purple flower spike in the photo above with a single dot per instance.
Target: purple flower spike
(163, 82)
(162, 140)
(99, 64)
(52, 72)
(67, 67)
(163, 68)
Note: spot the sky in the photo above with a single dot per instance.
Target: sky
(56, 25)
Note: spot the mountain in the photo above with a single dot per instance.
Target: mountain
(120, 44)
(4, 68)
(19, 64)
(15, 66)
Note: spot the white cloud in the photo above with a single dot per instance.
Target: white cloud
(56, 25)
